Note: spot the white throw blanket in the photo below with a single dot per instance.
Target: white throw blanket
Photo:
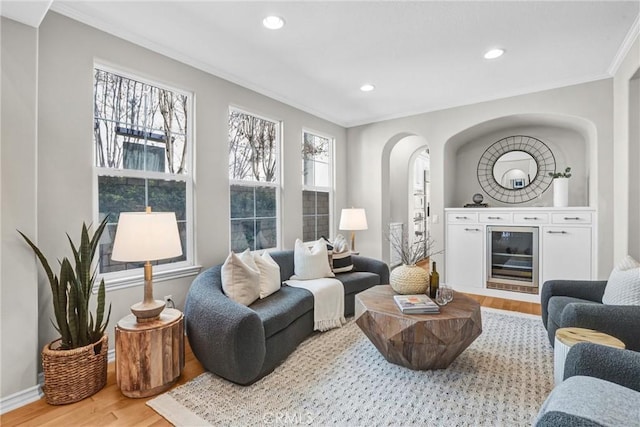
(328, 300)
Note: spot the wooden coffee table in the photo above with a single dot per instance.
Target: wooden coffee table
(417, 341)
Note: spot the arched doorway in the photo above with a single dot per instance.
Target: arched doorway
(405, 196)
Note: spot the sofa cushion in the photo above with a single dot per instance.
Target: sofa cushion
(589, 401)
(358, 281)
(623, 286)
(280, 309)
(311, 263)
(269, 274)
(341, 262)
(558, 303)
(240, 278)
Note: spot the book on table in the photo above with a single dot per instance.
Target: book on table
(416, 304)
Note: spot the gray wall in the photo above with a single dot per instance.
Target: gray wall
(18, 285)
(585, 109)
(627, 146)
(65, 196)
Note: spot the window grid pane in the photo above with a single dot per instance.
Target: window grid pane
(315, 219)
(253, 218)
(253, 148)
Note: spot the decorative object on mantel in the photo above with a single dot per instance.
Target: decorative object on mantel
(408, 278)
(515, 169)
(146, 236)
(75, 365)
(561, 188)
(477, 202)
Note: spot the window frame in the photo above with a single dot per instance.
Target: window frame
(254, 184)
(161, 272)
(330, 188)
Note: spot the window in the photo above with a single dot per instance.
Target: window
(142, 143)
(254, 181)
(316, 183)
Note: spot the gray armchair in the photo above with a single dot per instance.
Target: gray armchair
(578, 303)
(601, 387)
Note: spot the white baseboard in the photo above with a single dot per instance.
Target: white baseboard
(24, 397)
(21, 398)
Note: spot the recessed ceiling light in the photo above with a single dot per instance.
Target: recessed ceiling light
(273, 22)
(494, 53)
(367, 87)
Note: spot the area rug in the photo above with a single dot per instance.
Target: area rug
(339, 378)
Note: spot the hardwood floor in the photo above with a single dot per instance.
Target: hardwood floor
(109, 407)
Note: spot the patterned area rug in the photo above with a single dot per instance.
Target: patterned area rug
(339, 378)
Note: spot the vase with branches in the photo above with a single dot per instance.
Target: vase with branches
(409, 278)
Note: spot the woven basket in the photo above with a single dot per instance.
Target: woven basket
(409, 279)
(72, 375)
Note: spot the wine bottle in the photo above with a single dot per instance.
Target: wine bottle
(434, 281)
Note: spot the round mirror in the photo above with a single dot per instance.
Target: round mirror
(515, 169)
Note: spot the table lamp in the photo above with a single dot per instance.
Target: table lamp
(146, 236)
(351, 220)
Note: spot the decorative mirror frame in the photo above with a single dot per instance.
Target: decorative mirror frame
(537, 149)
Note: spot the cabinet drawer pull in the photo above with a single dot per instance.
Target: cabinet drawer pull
(531, 217)
(576, 218)
(556, 232)
(493, 217)
(471, 229)
(461, 217)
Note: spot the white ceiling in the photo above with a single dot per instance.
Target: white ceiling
(421, 56)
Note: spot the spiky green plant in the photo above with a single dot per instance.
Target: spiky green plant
(71, 292)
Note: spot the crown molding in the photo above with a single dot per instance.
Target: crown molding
(628, 41)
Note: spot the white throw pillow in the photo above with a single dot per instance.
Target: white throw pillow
(241, 278)
(623, 286)
(269, 274)
(311, 263)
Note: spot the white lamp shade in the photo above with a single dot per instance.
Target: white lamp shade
(145, 236)
(353, 219)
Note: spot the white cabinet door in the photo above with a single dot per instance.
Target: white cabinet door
(566, 253)
(465, 255)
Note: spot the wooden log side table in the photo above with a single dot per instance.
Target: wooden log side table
(567, 337)
(149, 355)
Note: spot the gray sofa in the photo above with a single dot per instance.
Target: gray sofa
(243, 344)
(578, 303)
(601, 388)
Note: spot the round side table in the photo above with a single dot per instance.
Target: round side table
(149, 355)
(567, 337)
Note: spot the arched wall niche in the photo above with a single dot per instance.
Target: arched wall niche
(571, 139)
(397, 160)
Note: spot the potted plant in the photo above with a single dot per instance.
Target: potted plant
(75, 365)
(561, 187)
(409, 278)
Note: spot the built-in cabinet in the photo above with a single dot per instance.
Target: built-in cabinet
(564, 248)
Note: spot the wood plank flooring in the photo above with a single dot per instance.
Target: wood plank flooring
(109, 407)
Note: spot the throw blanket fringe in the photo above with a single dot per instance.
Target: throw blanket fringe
(328, 301)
